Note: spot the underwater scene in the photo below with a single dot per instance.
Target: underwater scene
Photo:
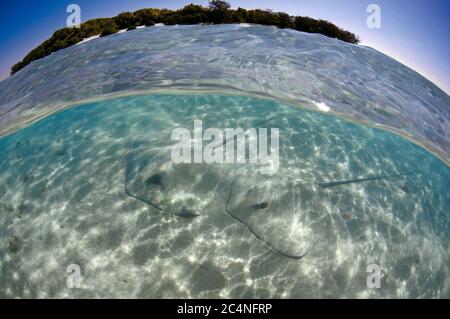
(88, 179)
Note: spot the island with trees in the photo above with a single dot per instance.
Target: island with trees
(217, 12)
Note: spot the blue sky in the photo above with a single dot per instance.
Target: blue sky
(415, 32)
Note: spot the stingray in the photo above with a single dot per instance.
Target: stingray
(128, 177)
(249, 215)
(360, 180)
(151, 177)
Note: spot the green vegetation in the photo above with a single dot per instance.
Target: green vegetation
(217, 12)
(109, 30)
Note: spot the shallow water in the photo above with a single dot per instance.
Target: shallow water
(63, 202)
(309, 70)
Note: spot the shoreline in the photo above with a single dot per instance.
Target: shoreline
(188, 15)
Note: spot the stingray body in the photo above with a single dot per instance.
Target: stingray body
(156, 188)
(157, 180)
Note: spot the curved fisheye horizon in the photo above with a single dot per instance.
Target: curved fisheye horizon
(405, 32)
(224, 155)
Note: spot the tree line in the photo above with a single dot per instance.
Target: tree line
(217, 12)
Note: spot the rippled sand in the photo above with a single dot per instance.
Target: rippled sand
(62, 202)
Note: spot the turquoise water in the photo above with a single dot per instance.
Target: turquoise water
(63, 201)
